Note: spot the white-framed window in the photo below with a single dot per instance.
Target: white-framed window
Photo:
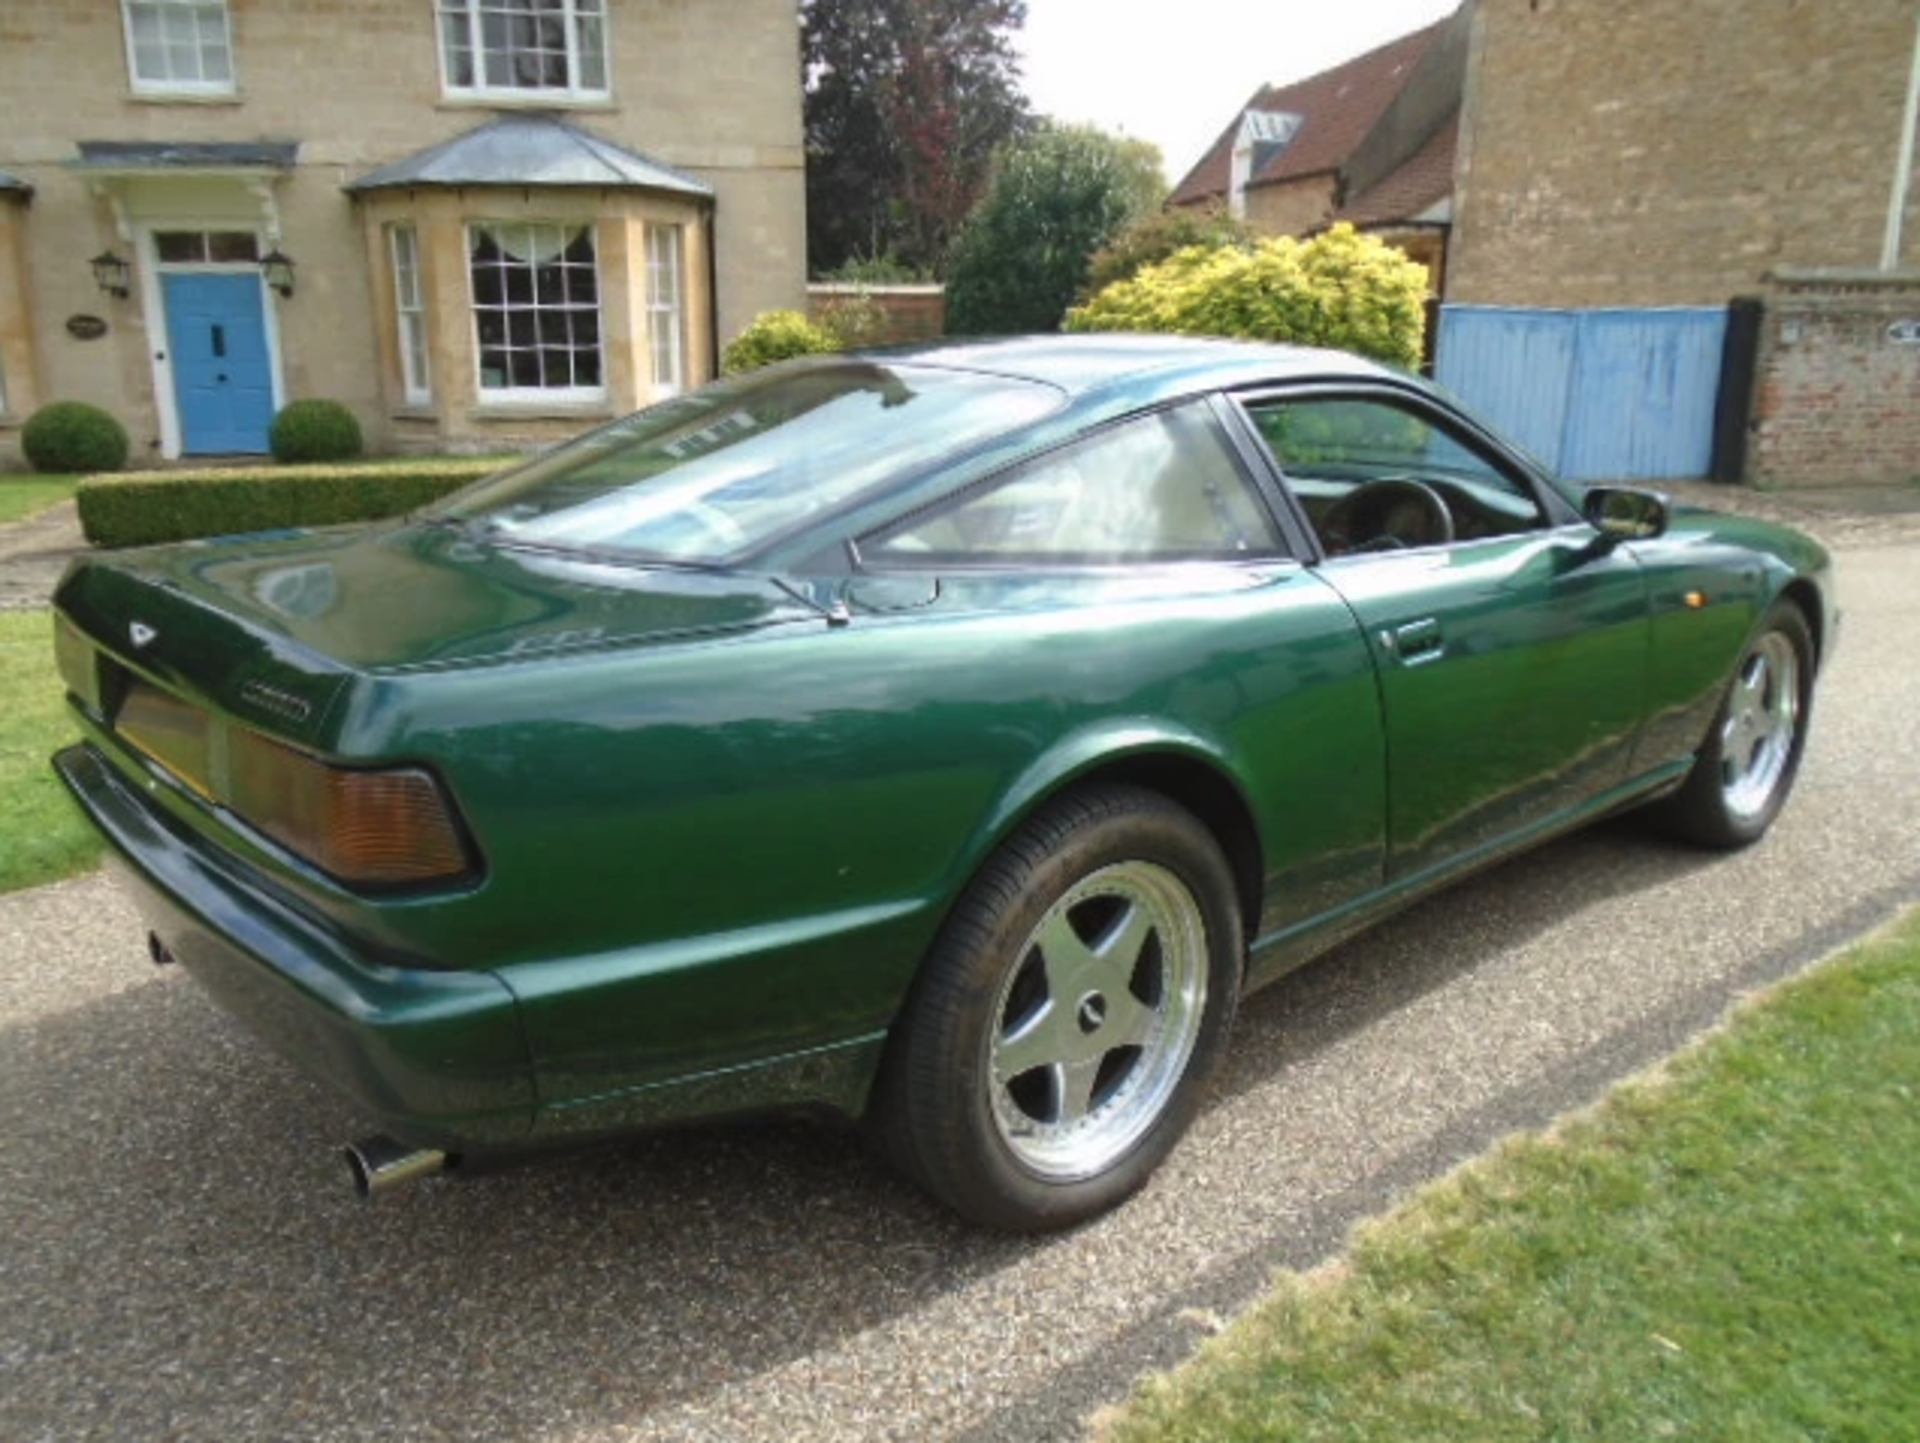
(536, 310)
(666, 308)
(529, 48)
(410, 313)
(179, 47)
(206, 247)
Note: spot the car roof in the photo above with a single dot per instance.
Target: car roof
(1082, 365)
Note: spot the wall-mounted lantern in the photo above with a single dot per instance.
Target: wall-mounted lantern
(277, 267)
(111, 274)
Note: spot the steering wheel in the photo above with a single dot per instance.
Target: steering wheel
(1384, 515)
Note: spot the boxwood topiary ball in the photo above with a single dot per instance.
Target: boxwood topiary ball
(314, 431)
(75, 437)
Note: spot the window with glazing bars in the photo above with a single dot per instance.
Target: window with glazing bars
(536, 307)
(179, 46)
(552, 47)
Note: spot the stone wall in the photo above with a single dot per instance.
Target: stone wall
(1837, 389)
(1673, 152)
(1293, 207)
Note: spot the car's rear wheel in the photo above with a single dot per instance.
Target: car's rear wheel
(1751, 755)
(1056, 1044)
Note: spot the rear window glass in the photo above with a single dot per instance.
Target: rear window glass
(725, 469)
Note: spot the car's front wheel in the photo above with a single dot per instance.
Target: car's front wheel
(1746, 766)
(1057, 1041)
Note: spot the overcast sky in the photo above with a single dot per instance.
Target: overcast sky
(1176, 72)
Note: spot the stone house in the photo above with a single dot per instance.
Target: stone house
(1370, 141)
(478, 223)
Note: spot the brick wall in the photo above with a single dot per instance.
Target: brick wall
(905, 313)
(1672, 152)
(1837, 393)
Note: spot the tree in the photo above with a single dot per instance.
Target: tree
(906, 101)
(1057, 196)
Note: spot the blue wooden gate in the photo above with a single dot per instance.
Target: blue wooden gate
(1604, 395)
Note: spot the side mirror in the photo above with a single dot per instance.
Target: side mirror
(1624, 513)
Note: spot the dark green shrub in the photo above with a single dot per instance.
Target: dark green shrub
(1058, 195)
(72, 436)
(776, 336)
(1164, 233)
(880, 270)
(144, 507)
(314, 431)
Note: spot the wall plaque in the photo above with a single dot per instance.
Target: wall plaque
(86, 328)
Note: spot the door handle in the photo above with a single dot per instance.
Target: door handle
(219, 341)
(1415, 642)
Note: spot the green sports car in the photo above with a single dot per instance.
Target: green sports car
(943, 737)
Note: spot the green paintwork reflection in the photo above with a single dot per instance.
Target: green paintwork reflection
(1513, 672)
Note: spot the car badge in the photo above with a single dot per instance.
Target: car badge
(141, 634)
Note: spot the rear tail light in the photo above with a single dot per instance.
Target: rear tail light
(392, 827)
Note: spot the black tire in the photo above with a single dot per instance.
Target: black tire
(1059, 1037)
(1747, 764)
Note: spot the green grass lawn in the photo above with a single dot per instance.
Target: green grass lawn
(1727, 1249)
(42, 835)
(23, 495)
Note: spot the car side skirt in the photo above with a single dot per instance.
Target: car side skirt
(1274, 955)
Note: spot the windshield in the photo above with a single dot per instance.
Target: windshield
(727, 468)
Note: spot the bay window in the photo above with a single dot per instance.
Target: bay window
(536, 311)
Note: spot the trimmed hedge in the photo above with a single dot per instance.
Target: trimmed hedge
(140, 508)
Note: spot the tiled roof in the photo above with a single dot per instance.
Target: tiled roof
(529, 150)
(1423, 182)
(1340, 106)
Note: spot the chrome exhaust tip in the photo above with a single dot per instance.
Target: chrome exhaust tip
(380, 1164)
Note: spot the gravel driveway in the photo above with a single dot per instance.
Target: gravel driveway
(180, 1256)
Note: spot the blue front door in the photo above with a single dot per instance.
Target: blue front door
(222, 376)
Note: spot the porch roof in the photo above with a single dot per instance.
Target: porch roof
(13, 185)
(122, 157)
(529, 150)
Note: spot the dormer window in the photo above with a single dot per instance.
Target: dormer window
(529, 49)
(1263, 134)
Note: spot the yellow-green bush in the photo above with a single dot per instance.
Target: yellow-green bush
(1341, 289)
(776, 336)
(139, 508)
